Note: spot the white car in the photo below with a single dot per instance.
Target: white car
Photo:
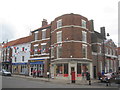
(5, 73)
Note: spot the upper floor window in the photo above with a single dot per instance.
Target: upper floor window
(84, 51)
(23, 58)
(83, 23)
(36, 49)
(59, 36)
(52, 52)
(59, 23)
(43, 47)
(84, 36)
(59, 51)
(36, 35)
(100, 49)
(15, 59)
(44, 34)
(106, 50)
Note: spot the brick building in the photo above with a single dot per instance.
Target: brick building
(63, 45)
(104, 53)
(40, 52)
(70, 46)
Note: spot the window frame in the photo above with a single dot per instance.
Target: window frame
(36, 35)
(59, 23)
(84, 36)
(43, 34)
(59, 36)
(84, 46)
(84, 24)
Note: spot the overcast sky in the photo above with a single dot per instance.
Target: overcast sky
(18, 17)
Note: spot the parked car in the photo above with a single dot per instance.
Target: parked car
(117, 79)
(5, 73)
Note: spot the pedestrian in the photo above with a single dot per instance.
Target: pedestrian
(34, 73)
(99, 75)
(88, 77)
(108, 79)
(82, 75)
(103, 72)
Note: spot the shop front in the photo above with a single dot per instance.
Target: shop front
(38, 66)
(20, 68)
(62, 70)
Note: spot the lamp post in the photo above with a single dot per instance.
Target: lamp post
(104, 61)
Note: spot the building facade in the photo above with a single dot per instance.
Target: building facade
(21, 55)
(70, 46)
(104, 53)
(40, 52)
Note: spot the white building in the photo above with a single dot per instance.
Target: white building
(21, 55)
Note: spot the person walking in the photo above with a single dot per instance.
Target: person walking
(34, 73)
(99, 75)
(88, 77)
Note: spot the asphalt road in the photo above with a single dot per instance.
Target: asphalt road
(16, 82)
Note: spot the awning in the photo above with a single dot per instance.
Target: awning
(19, 63)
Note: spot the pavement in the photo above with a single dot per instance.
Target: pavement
(80, 82)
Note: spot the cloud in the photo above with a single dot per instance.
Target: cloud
(6, 32)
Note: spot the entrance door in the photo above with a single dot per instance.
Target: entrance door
(72, 69)
(94, 68)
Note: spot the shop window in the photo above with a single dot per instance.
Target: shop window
(85, 67)
(78, 68)
(65, 68)
(59, 69)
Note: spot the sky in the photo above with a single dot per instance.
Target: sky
(19, 17)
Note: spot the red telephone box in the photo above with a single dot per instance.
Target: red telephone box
(73, 76)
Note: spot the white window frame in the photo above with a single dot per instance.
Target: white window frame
(85, 46)
(36, 35)
(23, 57)
(36, 50)
(43, 44)
(59, 23)
(84, 36)
(84, 24)
(43, 34)
(59, 37)
(52, 51)
(59, 46)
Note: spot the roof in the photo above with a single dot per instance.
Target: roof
(44, 27)
(19, 41)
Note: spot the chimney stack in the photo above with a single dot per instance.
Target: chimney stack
(91, 25)
(44, 22)
(102, 31)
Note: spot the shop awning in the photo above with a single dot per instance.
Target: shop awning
(19, 63)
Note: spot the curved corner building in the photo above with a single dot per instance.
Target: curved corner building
(70, 46)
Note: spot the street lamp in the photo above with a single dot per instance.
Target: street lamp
(104, 51)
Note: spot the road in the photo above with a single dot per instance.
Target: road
(17, 82)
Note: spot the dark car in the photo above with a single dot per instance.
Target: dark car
(117, 79)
